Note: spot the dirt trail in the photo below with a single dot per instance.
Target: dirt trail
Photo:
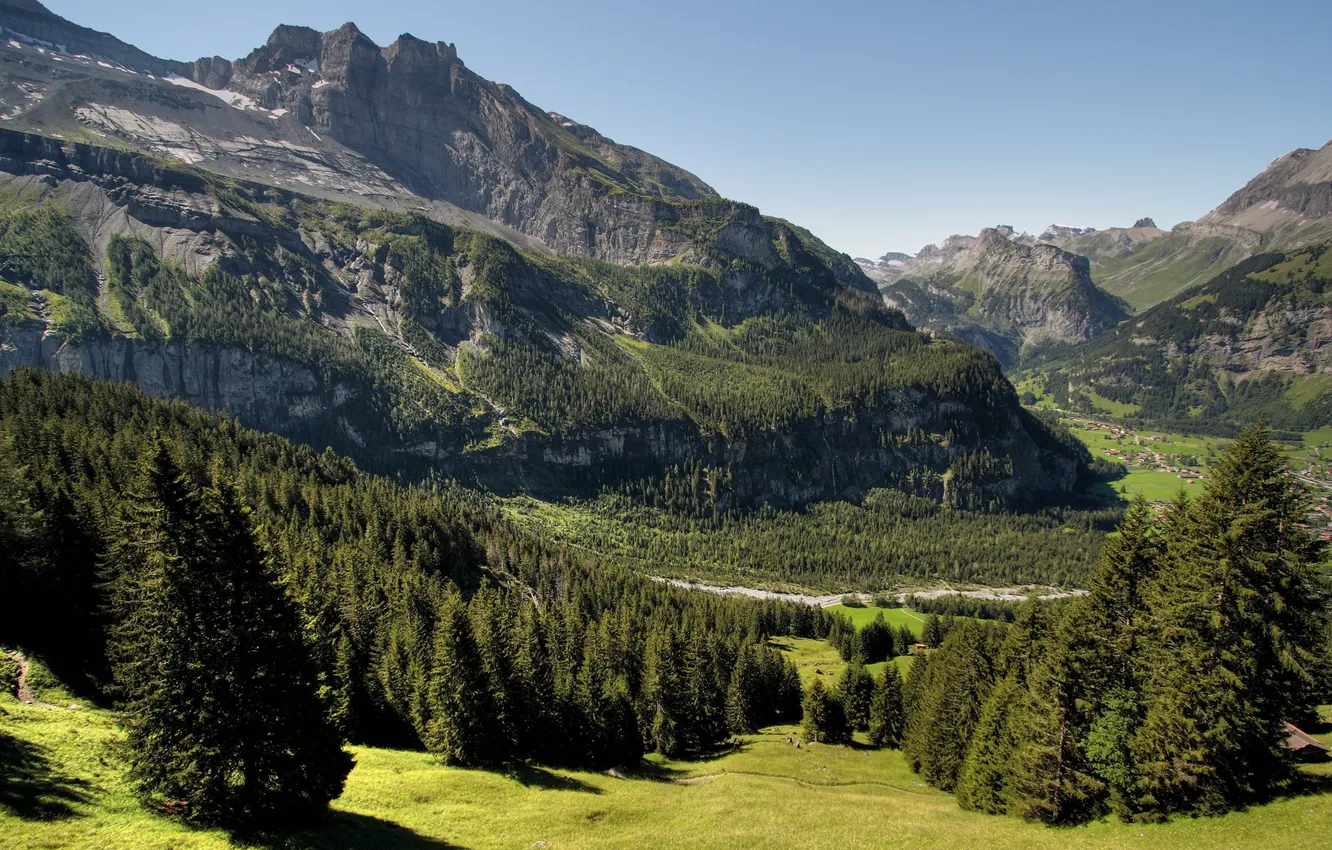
(25, 694)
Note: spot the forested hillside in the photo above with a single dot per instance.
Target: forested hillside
(1163, 691)
(1249, 344)
(431, 621)
(758, 353)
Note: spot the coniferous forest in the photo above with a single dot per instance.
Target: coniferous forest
(251, 603)
(387, 461)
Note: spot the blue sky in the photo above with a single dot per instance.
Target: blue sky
(878, 125)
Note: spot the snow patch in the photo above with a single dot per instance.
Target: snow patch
(231, 98)
(1271, 205)
(310, 64)
(278, 113)
(320, 84)
(105, 64)
(14, 44)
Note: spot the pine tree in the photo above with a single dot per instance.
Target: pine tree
(1051, 780)
(662, 694)
(983, 782)
(903, 640)
(1237, 627)
(742, 696)
(932, 632)
(1116, 615)
(944, 706)
(216, 681)
(888, 710)
(823, 720)
(856, 692)
(462, 725)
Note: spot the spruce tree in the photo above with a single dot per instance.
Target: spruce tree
(1237, 627)
(903, 640)
(1051, 780)
(743, 698)
(217, 685)
(932, 632)
(944, 706)
(888, 710)
(983, 782)
(856, 692)
(663, 710)
(462, 727)
(823, 721)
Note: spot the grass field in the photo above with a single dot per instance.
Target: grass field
(863, 616)
(64, 788)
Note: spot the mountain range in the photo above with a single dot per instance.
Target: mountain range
(1090, 280)
(374, 249)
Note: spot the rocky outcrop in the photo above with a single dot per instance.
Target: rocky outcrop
(265, 392)
(1000, 290)
(335, 113)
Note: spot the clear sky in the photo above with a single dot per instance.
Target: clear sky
(878, 125)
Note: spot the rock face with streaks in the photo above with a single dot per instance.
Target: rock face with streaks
(375, 249)
(407, 126)
(998, 290)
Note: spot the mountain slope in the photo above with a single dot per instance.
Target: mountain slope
(1255, 341)
(997, 292)
(419, 347)
(405, 127)
(1285, 207)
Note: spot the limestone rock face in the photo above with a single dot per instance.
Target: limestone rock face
(999, 290)
(397, 126)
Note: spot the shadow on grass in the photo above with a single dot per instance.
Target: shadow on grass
(30, 785)
(532, 776)
(347, 831)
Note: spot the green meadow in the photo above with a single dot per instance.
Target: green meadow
(64, 787)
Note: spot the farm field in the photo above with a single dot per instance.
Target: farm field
(69, 791)
(1181, 451)
(861, 616)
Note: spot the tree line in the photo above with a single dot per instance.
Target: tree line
(1162, 691)
(216, 583)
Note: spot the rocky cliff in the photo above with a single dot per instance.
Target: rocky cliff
(998, 290)
(421, 347)
(403, 127)
(1255, 341)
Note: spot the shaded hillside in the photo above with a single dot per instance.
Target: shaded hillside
(419, 347)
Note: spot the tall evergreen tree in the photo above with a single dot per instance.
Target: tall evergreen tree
(888, 710)
(945, 705)
(823, 721)
(217, 684)
(462, 727)
(743, 695)
(932, 632)
(1051, 780)
(1237, 625)
(856, 691)
(983, 783)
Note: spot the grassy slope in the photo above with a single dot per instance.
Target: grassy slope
(864, 615)
(765, 794)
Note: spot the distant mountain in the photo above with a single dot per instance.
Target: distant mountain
(1255, 341)
(998, 290)
(1284, 207)
(404, 127)
(376, 249)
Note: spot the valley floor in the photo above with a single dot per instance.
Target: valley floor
(62, 786)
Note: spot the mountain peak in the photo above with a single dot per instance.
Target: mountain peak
(1145, 222)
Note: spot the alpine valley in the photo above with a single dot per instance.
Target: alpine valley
(377, 250)
(389, 462)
